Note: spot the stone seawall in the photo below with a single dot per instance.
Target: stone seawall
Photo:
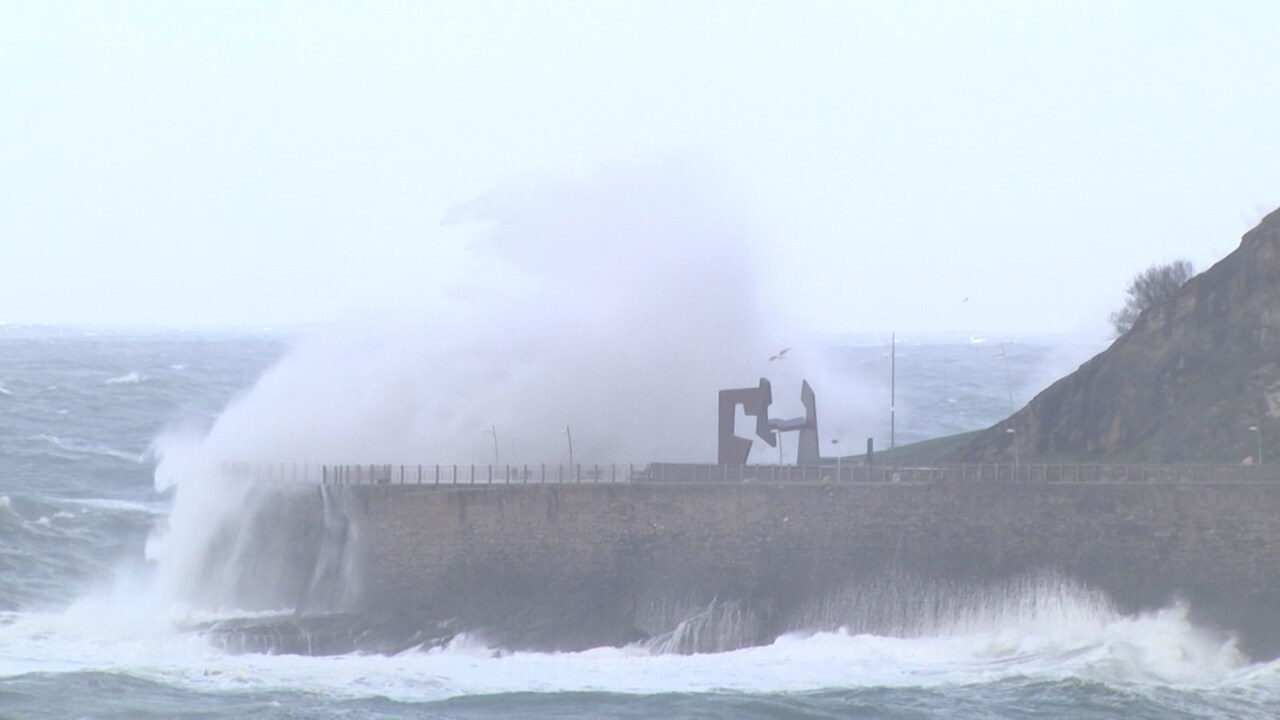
(571, 566)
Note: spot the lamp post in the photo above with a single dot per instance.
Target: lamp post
(1254, 429)
(836, 443)
(1014, 433)
(569, 435)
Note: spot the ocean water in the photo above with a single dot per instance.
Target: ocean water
(87, 631)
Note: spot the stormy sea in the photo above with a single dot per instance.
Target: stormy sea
(93, 624)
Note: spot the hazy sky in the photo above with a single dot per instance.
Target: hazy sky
(261, 163)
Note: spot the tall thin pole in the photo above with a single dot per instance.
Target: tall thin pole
(494, 429)
(570, 436)
(893, 389)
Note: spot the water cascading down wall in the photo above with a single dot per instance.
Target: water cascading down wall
(704, 567)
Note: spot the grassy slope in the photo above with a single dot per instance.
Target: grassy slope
(925, 451)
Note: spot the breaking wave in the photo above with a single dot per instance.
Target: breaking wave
(126, 379)
(70, 449)
(1069, 636)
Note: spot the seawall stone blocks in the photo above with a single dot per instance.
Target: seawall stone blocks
(577, 565)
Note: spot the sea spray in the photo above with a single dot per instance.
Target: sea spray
(905, 605)
(229, 543)
(717, 627)
(335, 583)
(612, 307)
(1022, 617)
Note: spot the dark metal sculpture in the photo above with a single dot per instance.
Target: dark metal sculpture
(755, 401)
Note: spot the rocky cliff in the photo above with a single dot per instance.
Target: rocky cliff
(1185, 384)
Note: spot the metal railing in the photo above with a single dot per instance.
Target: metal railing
(980, 472)
(688, 473)
(433, 474)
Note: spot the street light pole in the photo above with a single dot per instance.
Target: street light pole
(1254, 429)
(569, 435)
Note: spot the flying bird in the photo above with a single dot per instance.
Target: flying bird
(782, 355)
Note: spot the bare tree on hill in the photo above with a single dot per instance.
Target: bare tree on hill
(1150, 287)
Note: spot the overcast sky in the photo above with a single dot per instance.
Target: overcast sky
(263, 163)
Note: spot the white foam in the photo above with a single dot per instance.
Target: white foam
(91, 448)
(129, 378)
(130, 628)
(149, 508)
(1157, 650)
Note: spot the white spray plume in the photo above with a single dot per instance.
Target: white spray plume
(616, 304)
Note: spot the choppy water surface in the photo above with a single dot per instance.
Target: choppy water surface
(86, 630)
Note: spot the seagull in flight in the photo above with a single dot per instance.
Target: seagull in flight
(782, 355)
